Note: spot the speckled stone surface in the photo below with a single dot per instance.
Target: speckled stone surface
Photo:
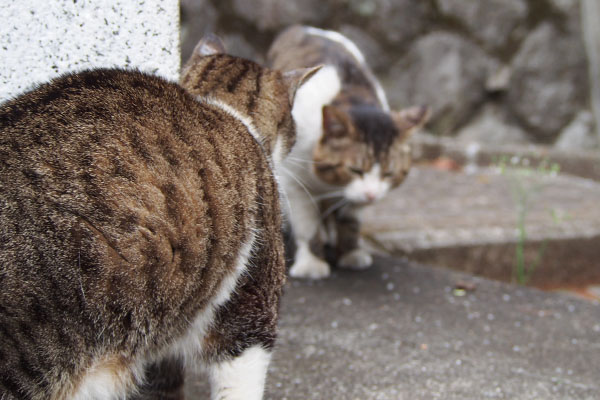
(40, 39)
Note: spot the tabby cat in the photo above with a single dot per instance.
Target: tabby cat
(351, 149)
(140, 221)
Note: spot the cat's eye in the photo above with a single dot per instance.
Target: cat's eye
(356, 171)
(388, 174)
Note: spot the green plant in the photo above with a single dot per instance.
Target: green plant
(525, 184)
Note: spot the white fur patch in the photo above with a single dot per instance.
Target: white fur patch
(307, 265)
(242, 378)
(356, 259)
(109, 380)
(339, 38)
(234, 113)
(295, 171)
(368, 188)
(279, 152)
(310, 98)
(294, 174)
(356, 53)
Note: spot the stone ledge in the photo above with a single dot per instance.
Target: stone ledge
(581, 163)
(468, 222)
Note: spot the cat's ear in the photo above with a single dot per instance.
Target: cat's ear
(295, 78)
(209, 45)
(336, 123)
(410, 119)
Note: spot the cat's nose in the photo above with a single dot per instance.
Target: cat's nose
(370, 196)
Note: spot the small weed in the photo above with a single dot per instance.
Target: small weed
(525, 184)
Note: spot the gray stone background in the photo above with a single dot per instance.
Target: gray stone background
(494, 71)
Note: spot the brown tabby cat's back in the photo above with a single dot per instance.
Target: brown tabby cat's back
(129, 213)
(133, 203)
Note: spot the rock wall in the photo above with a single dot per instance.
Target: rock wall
(495, 71)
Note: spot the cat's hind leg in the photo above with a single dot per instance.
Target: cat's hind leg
(356, 259)
(163, 380)
(238, 345)
(350, 255)
(238, 354)
(242, 377)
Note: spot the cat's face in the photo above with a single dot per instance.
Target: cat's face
(262, 98)
(365, 151)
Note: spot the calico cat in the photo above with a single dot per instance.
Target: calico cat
(351, 148)
(140, 222)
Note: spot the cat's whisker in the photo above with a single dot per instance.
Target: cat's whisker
(300, 160)
(296, 178)
(336, 206)
(284, 195)
(296, 164)
(304, 160)
(330, 195)
(302, 185)
(80, 280)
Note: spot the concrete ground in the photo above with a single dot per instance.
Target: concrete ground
(406, 331)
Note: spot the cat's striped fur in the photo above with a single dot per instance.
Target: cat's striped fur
(139, 223)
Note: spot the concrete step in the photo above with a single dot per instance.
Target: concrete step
(426, 147)
(468, 221)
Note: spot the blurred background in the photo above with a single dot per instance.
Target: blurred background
(513, 93)
(505, 186)
(494, 71)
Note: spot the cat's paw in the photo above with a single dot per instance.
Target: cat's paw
(310, 267)
(356, 259)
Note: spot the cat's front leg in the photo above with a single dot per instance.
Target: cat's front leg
(350, 255)
(305, 220)
(307, 264)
